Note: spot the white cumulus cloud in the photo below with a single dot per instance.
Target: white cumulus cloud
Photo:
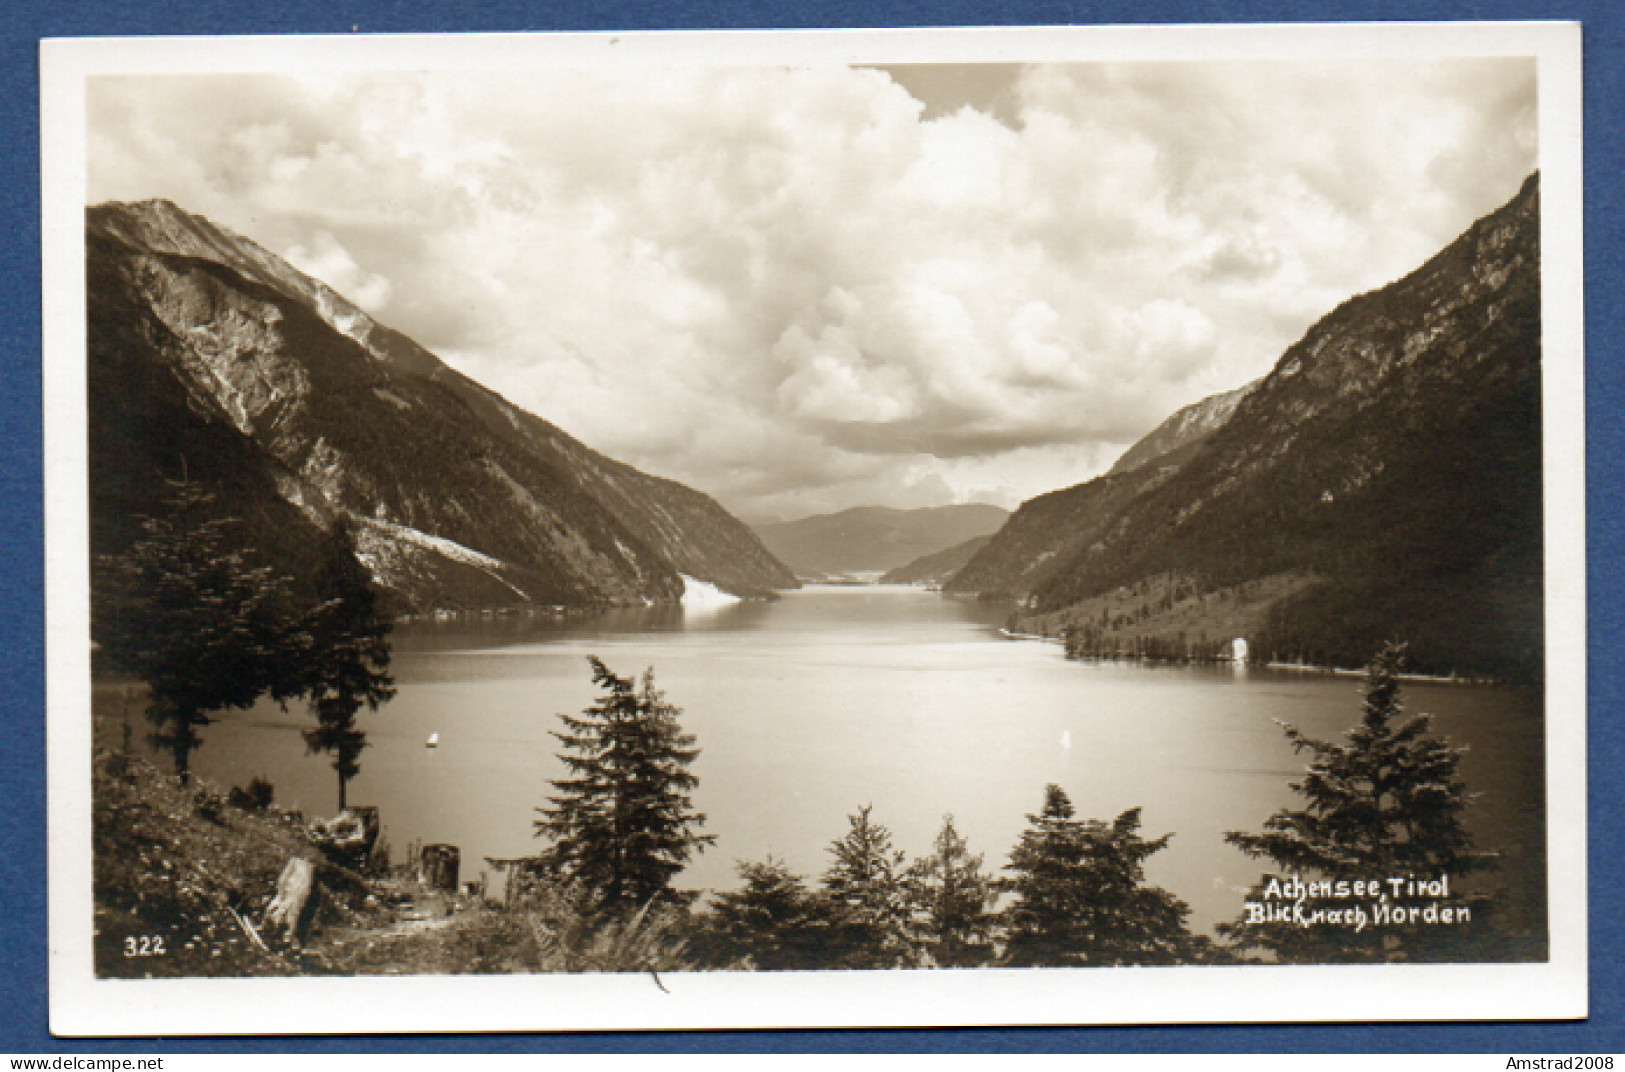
(804, 289)
(330, 262)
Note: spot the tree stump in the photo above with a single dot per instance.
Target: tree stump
(440, 864)
(348, 838)
(370, 826)
(293, 889)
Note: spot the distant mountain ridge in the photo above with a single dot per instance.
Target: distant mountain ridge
(1383, 480)
(213, 356)
(867, 539)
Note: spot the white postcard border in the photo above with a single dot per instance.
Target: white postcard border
(83, 1005)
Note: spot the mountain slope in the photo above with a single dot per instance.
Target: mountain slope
(1390, 464)
(1043, 532)
(871, 538)
(1195, 422)
(212, 358)
(938, 567)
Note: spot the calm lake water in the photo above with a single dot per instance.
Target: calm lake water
(833, 698)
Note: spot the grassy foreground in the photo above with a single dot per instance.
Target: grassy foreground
(183, 882)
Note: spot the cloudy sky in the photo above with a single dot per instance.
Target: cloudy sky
(806, 289)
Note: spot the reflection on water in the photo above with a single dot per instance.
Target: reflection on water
(834, 698)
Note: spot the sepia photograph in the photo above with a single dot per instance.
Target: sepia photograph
(1048, 525)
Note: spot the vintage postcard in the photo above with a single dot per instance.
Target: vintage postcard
(1052, 525)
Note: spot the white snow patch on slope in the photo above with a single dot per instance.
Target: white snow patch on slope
(699, 595)
(448, 549)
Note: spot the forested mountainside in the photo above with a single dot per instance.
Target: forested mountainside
(1384, 480)
(936, 568)
(215, 361)
(874, 538)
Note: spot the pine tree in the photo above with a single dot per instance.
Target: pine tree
(187, 612)
(1387, 804)
(1081, 898)
(869, 925)
(346, 665)
(951, 899)
(772, 923)
(623, 822)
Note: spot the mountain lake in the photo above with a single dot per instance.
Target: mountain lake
(833, 698)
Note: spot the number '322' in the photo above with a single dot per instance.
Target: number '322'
(146, 945)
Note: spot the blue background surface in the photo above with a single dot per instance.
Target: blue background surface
(22, 690)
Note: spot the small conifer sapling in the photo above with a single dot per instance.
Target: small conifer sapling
(622, 821)
(1081, 899)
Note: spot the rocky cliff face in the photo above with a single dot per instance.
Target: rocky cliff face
(214, 359)
(1393, 455)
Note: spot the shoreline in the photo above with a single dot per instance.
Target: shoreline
(1299, 668)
